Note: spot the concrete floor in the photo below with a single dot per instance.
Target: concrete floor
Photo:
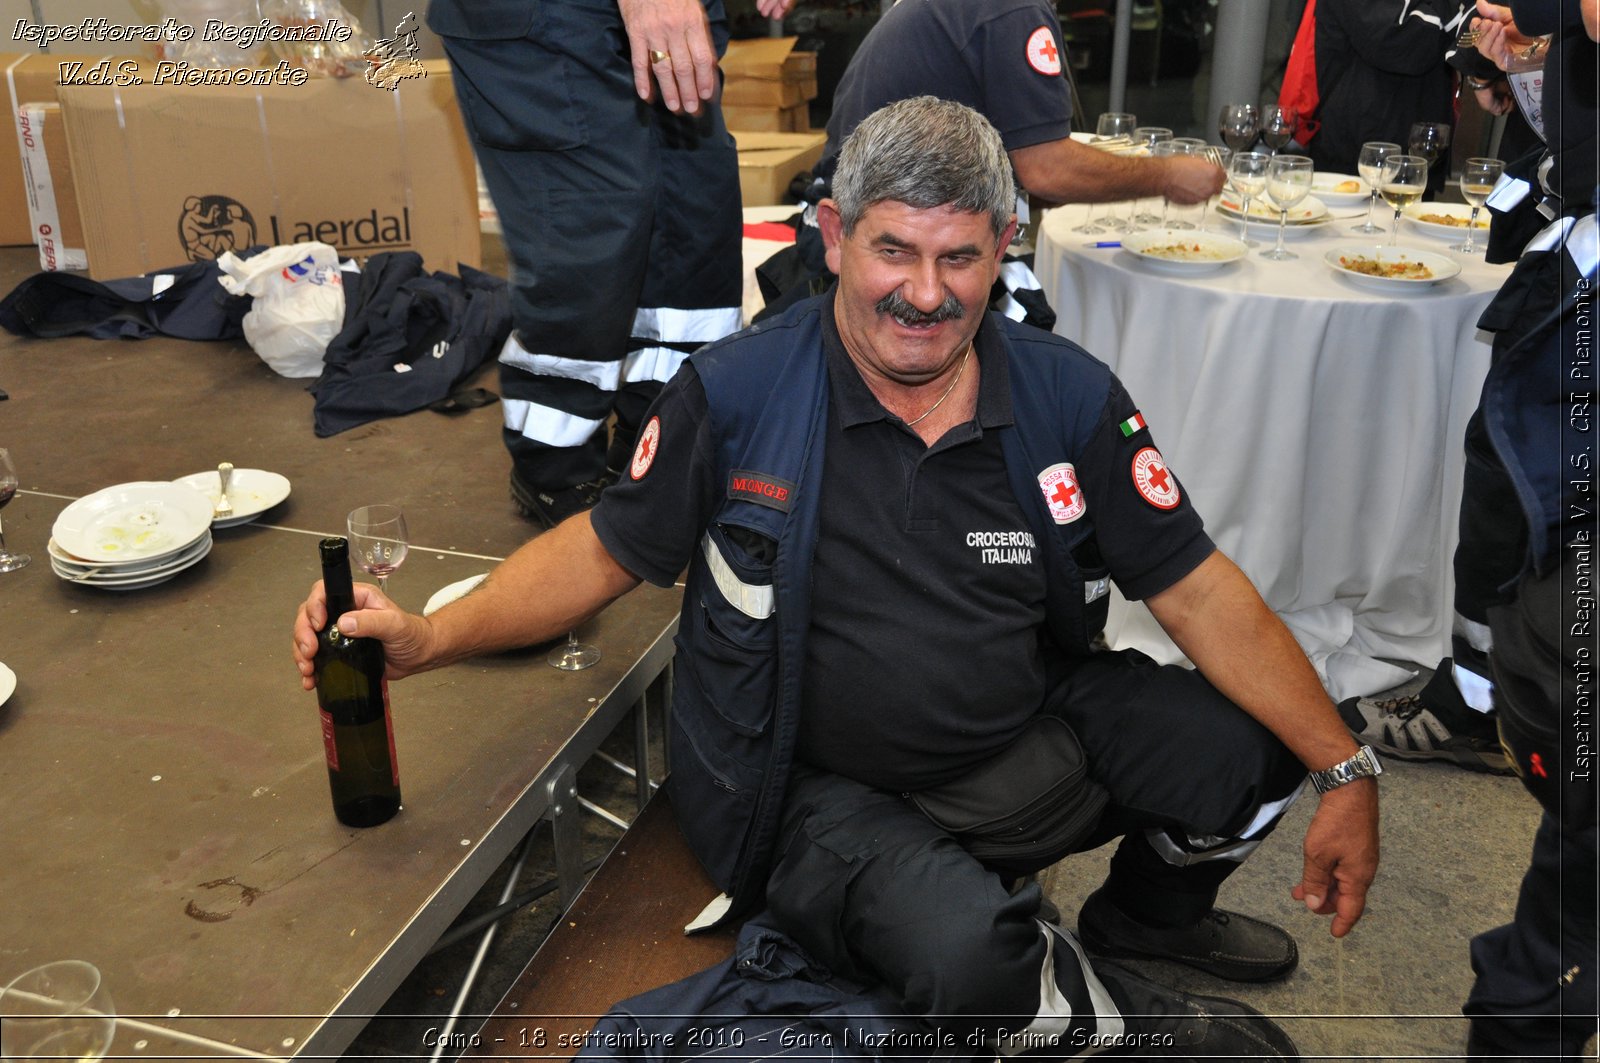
(1455, 845)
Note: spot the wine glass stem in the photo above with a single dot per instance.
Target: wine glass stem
(383, 585)
(1472, 225)
(1283, 220)
(1244, 213)
(1394, 228)
(1372, 201)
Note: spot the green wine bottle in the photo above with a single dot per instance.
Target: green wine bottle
(353, 696)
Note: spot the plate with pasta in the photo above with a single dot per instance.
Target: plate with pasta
(1391, 267)
(1184, 251)
(1446, 220)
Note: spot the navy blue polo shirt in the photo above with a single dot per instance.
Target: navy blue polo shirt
(1002, 58)
(924, 655)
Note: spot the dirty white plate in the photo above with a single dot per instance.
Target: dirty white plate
(1334, 189)
(69, 567)
(133, 521)
(252, 492)
(1309, 211)
(8, 683)
(1462, 213)
(1439, 267)
(133, 581)
(1184, 251)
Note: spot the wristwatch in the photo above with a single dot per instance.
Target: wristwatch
(1364, 765)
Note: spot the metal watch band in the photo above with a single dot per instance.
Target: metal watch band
(1364, 765)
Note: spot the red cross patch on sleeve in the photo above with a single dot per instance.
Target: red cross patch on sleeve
(1154, 480)
(1044, 55)
(644, 455)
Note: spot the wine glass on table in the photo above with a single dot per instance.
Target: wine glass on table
(1402, 182)
(1430, 140)
(1247, 174)
(1278, 126)
(1478, 179)
(1288, 182)
(59, 1010)
(1223, 157)
(1369, 164)
(1239, 125)
(574, 656)
(9, 562)
(1166, 149)
(1111, 127)
(378, 540)
(1147, 137)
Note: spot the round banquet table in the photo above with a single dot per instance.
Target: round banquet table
(1315, 421)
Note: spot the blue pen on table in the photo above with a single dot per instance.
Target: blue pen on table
(1107, 243)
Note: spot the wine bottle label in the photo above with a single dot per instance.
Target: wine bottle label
(388, 725)
(332, 748)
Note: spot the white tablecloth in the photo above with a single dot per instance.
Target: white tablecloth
(1316, 424)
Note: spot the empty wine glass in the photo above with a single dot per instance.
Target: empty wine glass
(1278, 125)
(378, 540)
(1403, 180)
(1110, 126)
(9, 562)
(1223, 157)
(1239, 125)
(1247, 173)
(1478, 179)
(1288, 182)
(1430, 140)
(1369, 164)
(1166, 150)
(58, 1011)
(573, 655)
(1147, 137)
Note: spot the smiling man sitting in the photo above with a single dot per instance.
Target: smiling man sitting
(899, 515)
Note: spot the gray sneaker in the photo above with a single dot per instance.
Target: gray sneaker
(1409, 728)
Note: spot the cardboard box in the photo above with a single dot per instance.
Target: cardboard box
(30, 78)
(52, 197)
(768, 72)
(769, 161)
(796, 119)
(169, 173)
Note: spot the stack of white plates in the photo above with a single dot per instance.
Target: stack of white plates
(131, 535)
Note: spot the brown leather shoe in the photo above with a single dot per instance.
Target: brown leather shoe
(1226, 944)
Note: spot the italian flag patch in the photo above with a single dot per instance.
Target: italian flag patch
(1133, 424)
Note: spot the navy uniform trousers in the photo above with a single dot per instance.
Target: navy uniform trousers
(622, 222)
(876, 892)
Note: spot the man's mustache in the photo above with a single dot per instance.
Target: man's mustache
(895, 305)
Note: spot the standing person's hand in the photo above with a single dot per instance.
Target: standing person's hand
(671, 43)
(774, 8)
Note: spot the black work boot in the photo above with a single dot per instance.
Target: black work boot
(1162, 1023)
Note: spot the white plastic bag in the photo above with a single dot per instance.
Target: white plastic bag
(298, 304)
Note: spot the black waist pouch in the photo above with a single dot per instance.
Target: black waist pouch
(1024, 808)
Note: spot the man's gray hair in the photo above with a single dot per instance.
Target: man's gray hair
(925, 152)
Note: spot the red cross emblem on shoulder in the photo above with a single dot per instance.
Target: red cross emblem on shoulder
(1043, 54)
(1155, 482)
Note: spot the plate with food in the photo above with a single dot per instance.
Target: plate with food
(1340, 189)
(1305, 214)
(1184, 251)
(1391, 267)
(1446, 220)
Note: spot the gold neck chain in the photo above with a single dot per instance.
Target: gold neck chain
(947, 390)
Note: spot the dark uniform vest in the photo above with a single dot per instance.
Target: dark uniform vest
(747, 604)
